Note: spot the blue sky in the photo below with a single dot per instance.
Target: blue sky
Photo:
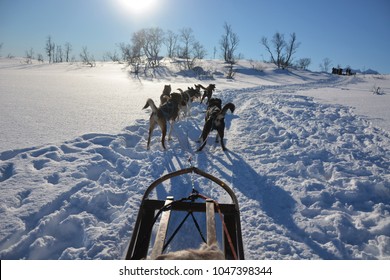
(349, 32)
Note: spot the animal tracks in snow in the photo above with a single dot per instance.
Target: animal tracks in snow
(94, 176)
(6, 171)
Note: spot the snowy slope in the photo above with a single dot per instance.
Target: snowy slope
(312, 178)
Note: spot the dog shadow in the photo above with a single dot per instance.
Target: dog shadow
(228, 120)
(276, 203)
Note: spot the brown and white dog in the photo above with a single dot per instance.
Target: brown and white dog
(167, 112)
(215, 120)
(208, 92)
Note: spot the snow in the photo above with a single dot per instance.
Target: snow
(309, 159)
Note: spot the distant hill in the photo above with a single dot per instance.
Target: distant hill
(368, 71)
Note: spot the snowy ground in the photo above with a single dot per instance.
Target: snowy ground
(309, 160)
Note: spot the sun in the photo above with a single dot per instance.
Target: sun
(138, 7)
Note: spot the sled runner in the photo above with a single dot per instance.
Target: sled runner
(151, 210)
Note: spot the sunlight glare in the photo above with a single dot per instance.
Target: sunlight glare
(138, 7)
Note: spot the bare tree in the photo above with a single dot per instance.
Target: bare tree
(325, 65)
(29, 56)
(291, 49)
(303, 63)
(40, 57)
(50, 49)
(86, 58)
(154, 38)
(278, 43)
(113, 57)
(126, 51)
(67, 50)
(59, 56)
(132, 53)
(190, 50)
(198, 50)
(136, 49)
(282, 54)
(187, 38)
(171, 43)
(1, 46)
(228, 43)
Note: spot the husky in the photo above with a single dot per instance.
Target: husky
(197, 95)
(187, 97)
(208, 92)
(215, 120)
(205, 252)
(165, 94)
(194, 93)
(167, 112)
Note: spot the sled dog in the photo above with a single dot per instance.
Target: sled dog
(187, 97)
(208, 92)
(215, 120)
(165, 94)
(167, 112)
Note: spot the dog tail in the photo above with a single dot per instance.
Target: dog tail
(150, 103)
(229, 106)
(202, 87)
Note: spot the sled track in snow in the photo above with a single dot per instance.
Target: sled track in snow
(332, 81)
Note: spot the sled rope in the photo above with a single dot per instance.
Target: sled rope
(190, 213)
(192, 197)
(204, 141)
(192, 175)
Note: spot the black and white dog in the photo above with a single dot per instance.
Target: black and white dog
(208, 92)
(215, 120)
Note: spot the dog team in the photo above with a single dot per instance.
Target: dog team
(172, 103)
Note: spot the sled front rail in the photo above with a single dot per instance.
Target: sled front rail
(140, 241)
(158, 247)
(139, 245)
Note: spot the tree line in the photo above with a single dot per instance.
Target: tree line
(57, 53)
(144, 50)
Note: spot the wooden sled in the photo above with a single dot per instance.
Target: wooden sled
(229, 214)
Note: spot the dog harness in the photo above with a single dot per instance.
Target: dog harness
(167, 109)
(212, 114)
